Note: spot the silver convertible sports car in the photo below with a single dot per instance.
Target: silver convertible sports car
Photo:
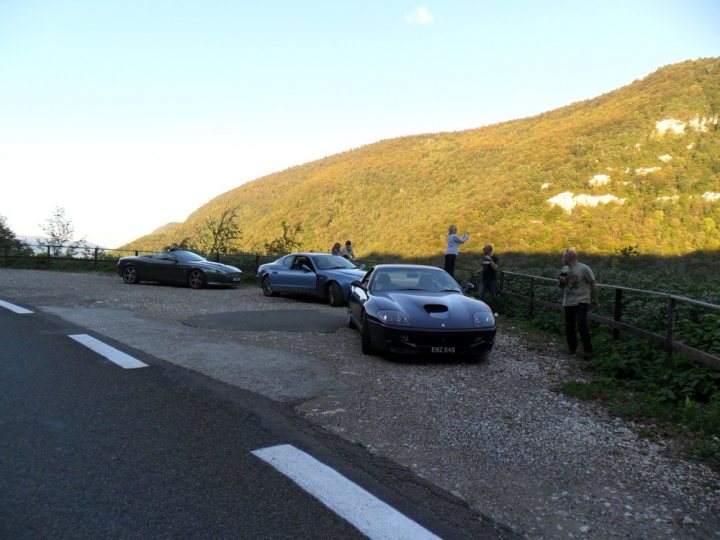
(177, 266)
(414, 309)
(312, 274)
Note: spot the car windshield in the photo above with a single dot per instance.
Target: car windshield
(329, 262)
(187, 256)
(429, 280)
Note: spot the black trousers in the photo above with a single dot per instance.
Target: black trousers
(576, 319)
(450, 264)
(491, 286)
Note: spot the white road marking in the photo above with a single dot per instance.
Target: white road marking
(14, 308)
(366, 512)
(118, 357)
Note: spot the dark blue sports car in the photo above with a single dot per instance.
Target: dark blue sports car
(313, 274)
(414, 309)
(177, 266)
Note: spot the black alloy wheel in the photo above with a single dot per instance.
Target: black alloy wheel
(365, 342)
(130, 275)
(266, 287)
(196, 279)
(335, 295)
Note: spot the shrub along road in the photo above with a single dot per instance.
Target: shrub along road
(496, 434)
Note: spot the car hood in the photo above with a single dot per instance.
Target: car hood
(215, 266)
(346, 274)
(437, 310)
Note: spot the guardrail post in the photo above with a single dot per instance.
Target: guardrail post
(670, 327)
(617, 313)
(95, 258)
(531, 300)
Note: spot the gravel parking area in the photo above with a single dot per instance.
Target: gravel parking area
(495, 434)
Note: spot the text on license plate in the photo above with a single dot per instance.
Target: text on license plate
(443, 350)
(236, 279)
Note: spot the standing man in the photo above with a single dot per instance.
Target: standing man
(451, 252)
(579, 291)
(489, 278)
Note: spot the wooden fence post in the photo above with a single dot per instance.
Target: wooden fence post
(617, 313)
(670, 327)
(531, 302)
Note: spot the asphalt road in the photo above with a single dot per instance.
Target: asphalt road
(91, 450)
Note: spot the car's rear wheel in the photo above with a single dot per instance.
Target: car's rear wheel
(130, 275)
(266, 287)
(335, 295)
(365, 341)
(196, 279)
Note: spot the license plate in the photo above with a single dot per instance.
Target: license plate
(236, 279)
(443, 350)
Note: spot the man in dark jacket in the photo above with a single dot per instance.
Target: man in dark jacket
(489, 278)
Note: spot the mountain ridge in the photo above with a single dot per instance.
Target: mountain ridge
(636, 167)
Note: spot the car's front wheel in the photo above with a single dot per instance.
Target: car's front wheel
(196, 279)
(366, 343)
(266, 287)
(130, 275)
(335, 295)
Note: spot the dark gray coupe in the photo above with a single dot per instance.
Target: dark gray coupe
(177, 266)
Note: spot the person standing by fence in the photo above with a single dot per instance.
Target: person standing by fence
(451, 252)
(489, 278)
(579, 291)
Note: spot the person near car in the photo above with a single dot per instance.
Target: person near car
(336, 249)
(347, 251)
(488, 281)
(451, 252)
(580, 291)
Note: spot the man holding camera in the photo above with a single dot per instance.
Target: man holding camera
(579, 292)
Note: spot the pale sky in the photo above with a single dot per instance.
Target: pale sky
(131, 114)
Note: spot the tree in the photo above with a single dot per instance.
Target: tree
(219, 234)
(286, 243)
(8, 240)
(60, 231)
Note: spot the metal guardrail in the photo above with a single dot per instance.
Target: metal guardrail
(668, 341)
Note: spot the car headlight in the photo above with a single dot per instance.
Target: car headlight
(481, 319)
(393, 318)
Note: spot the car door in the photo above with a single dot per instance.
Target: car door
(291, 278)
(155, 267)
(166, 268)
(301, 277)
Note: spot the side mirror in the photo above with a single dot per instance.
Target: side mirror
(362, 266)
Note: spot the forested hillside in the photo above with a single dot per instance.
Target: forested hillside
(637, 168)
